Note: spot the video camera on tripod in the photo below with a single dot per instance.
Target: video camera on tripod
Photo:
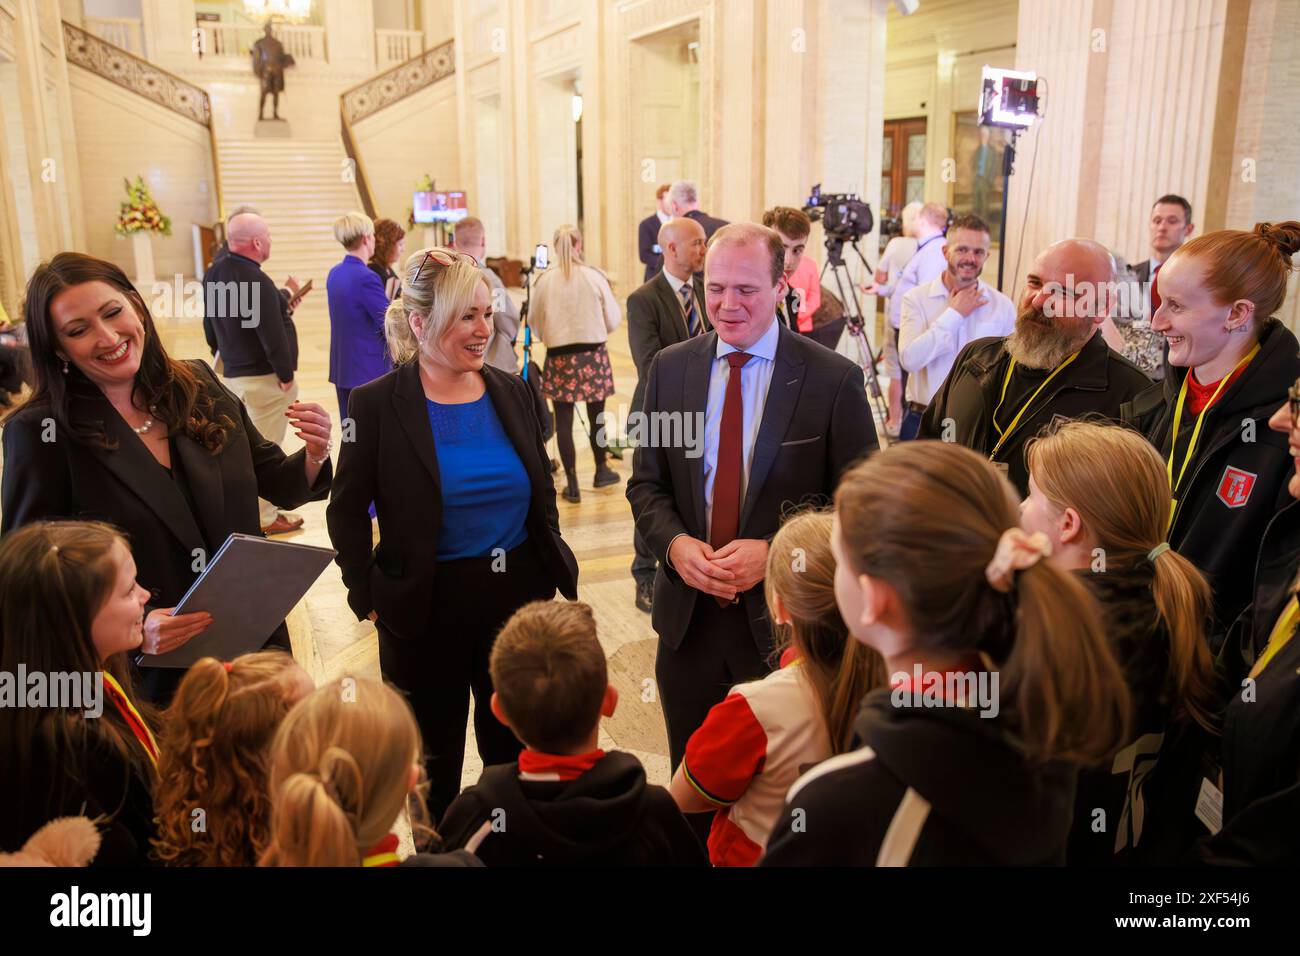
(843, 215)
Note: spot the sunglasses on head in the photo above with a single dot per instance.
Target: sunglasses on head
(444, 257)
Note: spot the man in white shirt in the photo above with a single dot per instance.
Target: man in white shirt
(940, 317)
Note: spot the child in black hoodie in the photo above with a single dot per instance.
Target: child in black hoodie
(1002, 680)
(565, 802)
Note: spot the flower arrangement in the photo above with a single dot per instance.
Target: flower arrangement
(423, 185)
(140, 213)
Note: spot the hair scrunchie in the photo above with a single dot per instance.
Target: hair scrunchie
(1158, 550)
(1016, 551)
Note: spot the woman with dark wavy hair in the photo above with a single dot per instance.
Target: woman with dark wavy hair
(118, 431)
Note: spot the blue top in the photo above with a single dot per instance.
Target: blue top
(485, 489)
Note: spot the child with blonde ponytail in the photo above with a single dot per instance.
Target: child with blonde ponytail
(344, 764)
(1002, 682)
(757, 741)
(1101, 495)
(214, 755)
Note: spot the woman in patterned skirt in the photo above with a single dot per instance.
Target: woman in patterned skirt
(573, 312)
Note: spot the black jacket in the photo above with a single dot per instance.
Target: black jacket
(609, 816)
(1261, 736)
(392, 462)
(654, 322)
(127, 487)
(1238, 479)
(711, 224)
(258, 343)
(1149, 789)
(816, 424)
(97, 783)
(943, 776)
(1098, 382)
(647, 237)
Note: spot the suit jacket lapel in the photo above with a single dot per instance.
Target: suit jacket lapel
(141, 474)
(203, 472)
(695, 400)
(408, 404)
(698, 284)
(522, 438)
(778, 410)
(673, 310)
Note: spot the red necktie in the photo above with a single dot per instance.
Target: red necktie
(726, 483)
(1155, 294)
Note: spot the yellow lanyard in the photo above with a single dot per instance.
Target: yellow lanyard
(1196, 431)
(134, 720)
(1282, 633)
(1004, 434)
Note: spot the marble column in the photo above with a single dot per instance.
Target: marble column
(1140, 99)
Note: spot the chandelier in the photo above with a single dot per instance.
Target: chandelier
(289, 10)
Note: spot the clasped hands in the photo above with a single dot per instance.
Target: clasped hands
(735, 567)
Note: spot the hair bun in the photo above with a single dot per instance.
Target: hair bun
(1285, 236)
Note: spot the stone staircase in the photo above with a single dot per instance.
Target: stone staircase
(299, 188)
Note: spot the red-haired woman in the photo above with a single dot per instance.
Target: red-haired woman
(1231, 364)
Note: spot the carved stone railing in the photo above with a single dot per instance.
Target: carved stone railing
(366, 99)
(398, 83)
(153, 83)
(139, 76)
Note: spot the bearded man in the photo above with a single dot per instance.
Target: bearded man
(1002, 392)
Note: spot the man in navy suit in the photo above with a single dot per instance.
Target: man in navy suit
(647, 234)
(768, 418)
(357, 302)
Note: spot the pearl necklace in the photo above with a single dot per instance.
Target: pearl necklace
(148, 424)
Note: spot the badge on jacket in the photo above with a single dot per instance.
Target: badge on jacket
(1235, 486)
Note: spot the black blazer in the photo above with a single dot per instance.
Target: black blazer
(816, 424)
(392, 462)
(647, 237)
(270, 345)
(654, 322)
(126, 487)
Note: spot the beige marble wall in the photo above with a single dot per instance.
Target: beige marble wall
(402, 142)
(172, 154)
(1263, 179)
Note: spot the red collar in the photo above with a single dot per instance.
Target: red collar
(558, 766)
(1198, 395)
(789, 656)
(933, 681)
(383, 853)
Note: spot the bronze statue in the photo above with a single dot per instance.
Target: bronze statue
(269, 62)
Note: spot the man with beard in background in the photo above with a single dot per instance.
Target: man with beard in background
(1055, 365)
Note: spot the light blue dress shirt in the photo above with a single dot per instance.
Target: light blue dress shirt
(926, 266)
(755, 378)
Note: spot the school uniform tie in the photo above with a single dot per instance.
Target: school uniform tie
(688, 309)
(725, 522)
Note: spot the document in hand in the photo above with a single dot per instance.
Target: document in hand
(248, 587)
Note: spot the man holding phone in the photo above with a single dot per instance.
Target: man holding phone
(252, 328)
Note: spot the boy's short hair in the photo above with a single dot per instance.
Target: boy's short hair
(790, 222)
(549, 673)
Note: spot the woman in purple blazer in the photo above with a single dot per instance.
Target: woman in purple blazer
(357, 301)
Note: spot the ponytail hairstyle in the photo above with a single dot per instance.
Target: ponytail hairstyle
(54, 578)
(340, 774)
(567, 240)
(439, 285)
(215, 755)
(1117, 483)
(926, 518)
(1253, 265)
(801, 571)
